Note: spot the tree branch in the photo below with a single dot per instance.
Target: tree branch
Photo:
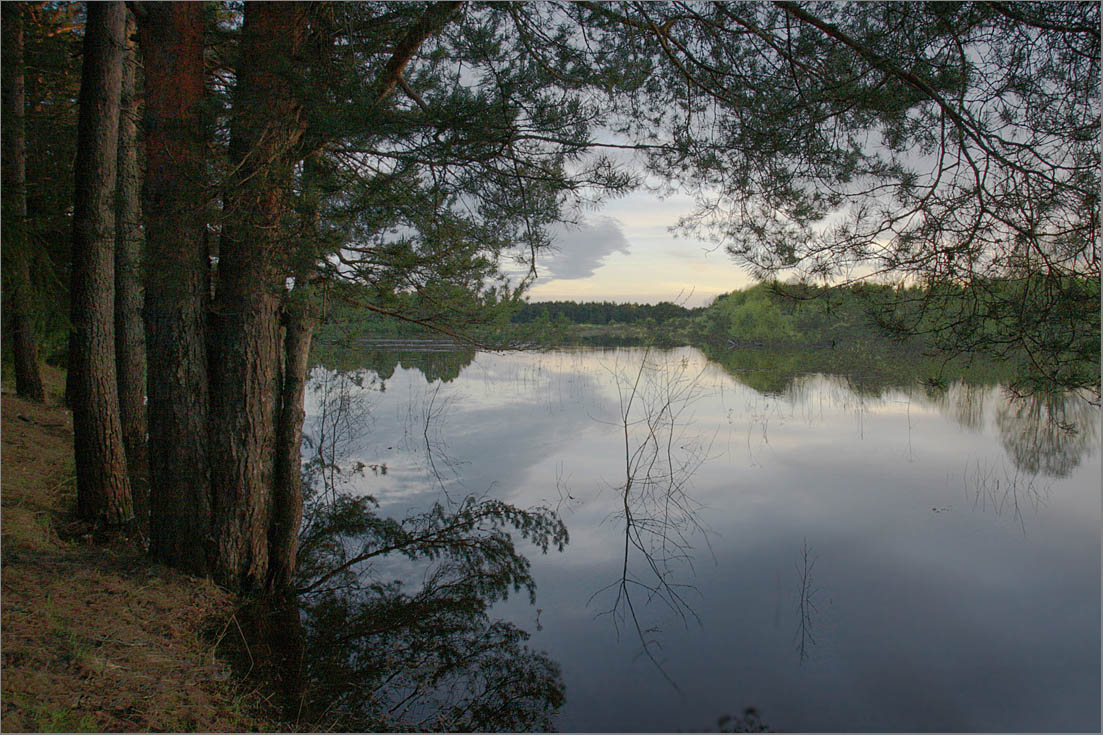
(435, 18)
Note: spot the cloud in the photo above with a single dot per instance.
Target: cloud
(578, 251)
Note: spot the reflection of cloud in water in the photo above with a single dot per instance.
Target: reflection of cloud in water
(503, 405)
(825, 460)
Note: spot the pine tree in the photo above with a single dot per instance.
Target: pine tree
(17, 276)
(103, 486)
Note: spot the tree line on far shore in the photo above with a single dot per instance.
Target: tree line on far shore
(189, 187)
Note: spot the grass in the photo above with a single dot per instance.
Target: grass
(96, 637)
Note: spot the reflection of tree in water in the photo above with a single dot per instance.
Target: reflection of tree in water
(806, 603)
(396, 625)
(443, 365)
(658, 514)
(344, 414)
(1003, 492)
(1048, 433)
(964, 402)
(435, 362)
(869, 372)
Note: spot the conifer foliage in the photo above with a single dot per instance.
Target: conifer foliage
(410, 157)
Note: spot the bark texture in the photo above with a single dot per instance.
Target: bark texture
(176, 284)
(300, 317)
(17, 274)
(103, 487)
(130, 343)
(247, 349)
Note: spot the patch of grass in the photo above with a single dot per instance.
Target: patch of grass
(47, 719)
(95, 637)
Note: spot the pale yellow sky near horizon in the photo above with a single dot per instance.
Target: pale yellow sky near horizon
(631, 256)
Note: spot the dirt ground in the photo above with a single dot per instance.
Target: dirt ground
(96, 637)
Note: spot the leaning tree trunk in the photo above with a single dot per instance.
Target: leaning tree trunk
(103, 487)
(300, 316)
(266, 129)
(17, 286)
(176, 267)
(130, 346)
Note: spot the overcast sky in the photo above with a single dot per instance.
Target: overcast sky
(626, 252)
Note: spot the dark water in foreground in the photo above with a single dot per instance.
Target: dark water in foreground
(840, 558)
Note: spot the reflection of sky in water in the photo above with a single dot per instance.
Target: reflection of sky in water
(956, 580)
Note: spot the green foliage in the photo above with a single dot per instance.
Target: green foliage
(950, 145)
(1047, 326)
(397, 609)
(352, 318)
(422, 652)
(52, 40)
(794, 315)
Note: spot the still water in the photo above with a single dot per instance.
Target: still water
(839, 555)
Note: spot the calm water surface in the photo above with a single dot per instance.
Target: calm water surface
(839, 558)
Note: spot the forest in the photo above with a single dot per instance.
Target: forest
(201, 199)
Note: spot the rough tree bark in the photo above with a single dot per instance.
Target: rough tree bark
(300, 317)
(266, 129)
(130, 347)
(103, 486)
(176, 270)
(17, 286)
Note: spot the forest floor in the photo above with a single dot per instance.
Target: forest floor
(96, 637)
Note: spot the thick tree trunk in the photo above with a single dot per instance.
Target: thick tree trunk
(247, 350)
(103, 487)
(130, 344)
(17, 286)
(300, 318)
(176, 268)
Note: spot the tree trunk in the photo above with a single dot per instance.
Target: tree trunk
(103, 487)
(266, 129)
(28, 381)
(130, 346)
(176, 268)
(300, 318)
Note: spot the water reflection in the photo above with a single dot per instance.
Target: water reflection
(1048, 434)
(1043, 433)
(1004, 492)
(880, 477)
(433, 361)
(398, 630)
(396, 626)
(961, 401)
(807, 597)
(659, 515)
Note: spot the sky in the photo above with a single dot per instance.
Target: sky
(625, 252)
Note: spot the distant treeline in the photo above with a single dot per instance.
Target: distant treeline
(604, 312)
(767, 314)
(771, 314)
(870, 322)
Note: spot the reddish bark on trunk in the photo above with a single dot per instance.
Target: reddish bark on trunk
(253, 258)
(130, 343)
(174, 192)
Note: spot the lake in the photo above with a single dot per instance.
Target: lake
(840, 555)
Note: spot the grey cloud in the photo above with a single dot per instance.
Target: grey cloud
(578, 251)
